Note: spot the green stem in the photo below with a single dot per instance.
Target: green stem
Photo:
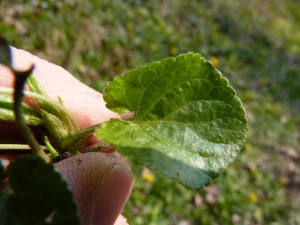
(50, 148)
(17, 147)
(20, 78)
(9, 91)
(85, 131)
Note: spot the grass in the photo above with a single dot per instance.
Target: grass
(255, 45)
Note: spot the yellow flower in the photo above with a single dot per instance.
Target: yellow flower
(257, 213)
(283, 180)
(153, 47)
(247, 147)
(249, 95)
(215, 61)
(129, 27)
(253, 197)
(253, 169)
(148, 175)
(173, 50)
(144, 11)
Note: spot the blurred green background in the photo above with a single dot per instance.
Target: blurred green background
(255, 44)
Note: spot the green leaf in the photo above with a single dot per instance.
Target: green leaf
(5, 54)
(188, 122)
(35, 194)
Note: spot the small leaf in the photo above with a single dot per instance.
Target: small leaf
(34, 86)
(36, 195)
(188, 122)
(32, 117)
(5, 54)
(58, 134)
(8, 115)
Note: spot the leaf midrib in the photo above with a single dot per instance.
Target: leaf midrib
(186, 124)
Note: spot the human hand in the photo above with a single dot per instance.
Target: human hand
(101, 183)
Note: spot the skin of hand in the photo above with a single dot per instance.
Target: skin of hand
(101, 183)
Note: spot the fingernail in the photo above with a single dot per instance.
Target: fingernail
(121, 220)
(113, 195)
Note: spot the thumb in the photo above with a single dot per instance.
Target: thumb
(101, 184)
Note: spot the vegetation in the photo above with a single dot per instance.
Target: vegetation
(255, 45)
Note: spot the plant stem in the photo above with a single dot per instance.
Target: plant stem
(50, 148)
(17, 147)
(85, 131)
(20, 78)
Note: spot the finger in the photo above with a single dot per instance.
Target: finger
(101, 184)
